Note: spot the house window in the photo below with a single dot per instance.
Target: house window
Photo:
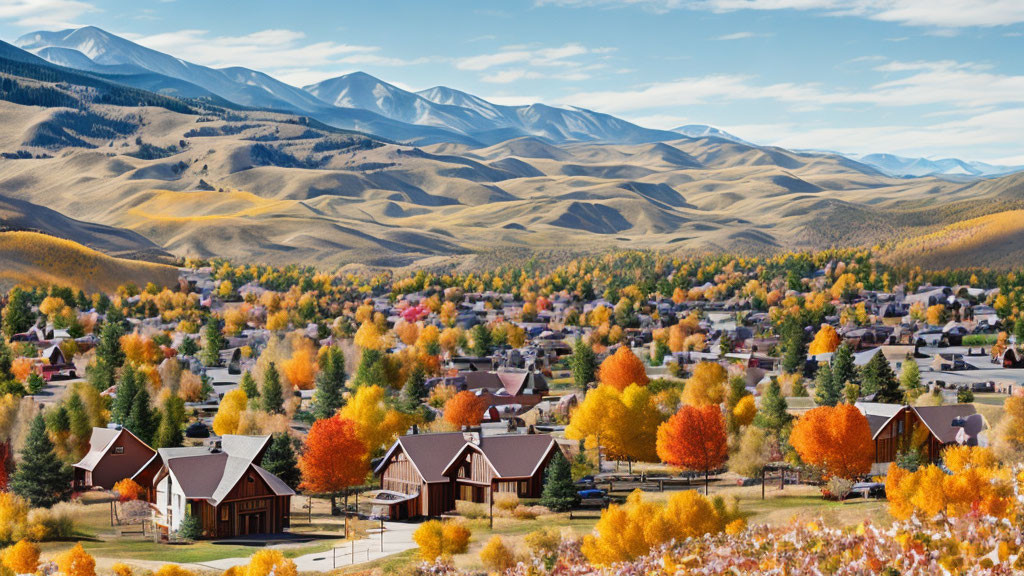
(118, 449)
(224, 514)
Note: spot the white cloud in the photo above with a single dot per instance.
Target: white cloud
(738, 36)
(949, 83)
(524, 62)
(47, 14)
(929, 13)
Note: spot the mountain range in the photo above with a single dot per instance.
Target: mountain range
(358, 101)
(195, 174)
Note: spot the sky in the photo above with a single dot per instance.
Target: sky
(933, 78)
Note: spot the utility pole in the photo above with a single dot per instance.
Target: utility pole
(491, 502)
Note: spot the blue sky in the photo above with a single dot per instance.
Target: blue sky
(914, 77)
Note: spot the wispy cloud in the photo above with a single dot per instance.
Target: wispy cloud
(741, 36)
(46, 14)
(519, 62)
(931, 13)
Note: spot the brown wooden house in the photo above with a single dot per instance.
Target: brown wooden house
(439, 469)
(114, 454)
(897, 427)
(222, 484)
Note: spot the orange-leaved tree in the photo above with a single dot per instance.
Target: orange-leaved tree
(694, 439)
(622, 369)
(127, 490)
(825, 341)
(465, 409)
(835, 438)
(76, 562)
(22, 558)
(334, 458)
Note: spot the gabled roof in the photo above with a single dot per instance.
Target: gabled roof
(429, 453)
(211, 475)
(100, 440)
(939, 419)
(509, 456)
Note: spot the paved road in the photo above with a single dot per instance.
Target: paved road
(397, 538)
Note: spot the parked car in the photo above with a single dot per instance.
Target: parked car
(868, 490)
(591, 494)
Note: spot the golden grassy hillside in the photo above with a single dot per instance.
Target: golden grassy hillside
(992, 240)
(261, 187)
(31, 258)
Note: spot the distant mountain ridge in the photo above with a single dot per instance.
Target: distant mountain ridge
(902, 166)
(355, 101)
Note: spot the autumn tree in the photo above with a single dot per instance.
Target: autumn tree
(17, 314)
(440, 539)
(21, 558)
(377, 423)
(300, 370)
(825, 341)
(1008, 441)
(694, 439)
(229, 412)
(465, 409)
(624, 423)
(622, 369)
(835, 438)
(631, 530)
(706, 386)
(76, 562)
(270, 563)
(583, 363)
(128, 490)
(334, 458)
(497, 555)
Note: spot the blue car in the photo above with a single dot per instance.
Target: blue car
(590, 493)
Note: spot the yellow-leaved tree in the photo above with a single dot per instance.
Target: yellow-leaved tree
(978, 484)
(628, 531)
(22, 558)
(438, 539)
(377, 424)
(825, 341)
(624, 423)
(76, 562)
(706, 386)
(229, 412)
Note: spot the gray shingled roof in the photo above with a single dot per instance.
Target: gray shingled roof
(203, 474)
(516, 456)
(511, 456)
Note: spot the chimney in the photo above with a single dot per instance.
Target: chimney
(415, 429)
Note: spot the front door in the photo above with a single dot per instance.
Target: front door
(254, 524)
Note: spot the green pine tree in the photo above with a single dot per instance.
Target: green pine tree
(272, 396)
(172, 418)
(280, 460)
(78, 419)
(188, 347)
(480, 337)
(213, 343)
(843, 369)
(878, 378)
(18, 316)
(415, 389)
(773, 416)
(583, 364)
(109, 356)
(124, 395)
(910, 380)
(41, 477)
(827, 391)
(794, 347)
(330, 384)
(248, 385)
(559, 491)
(141, 420)
(371, 370)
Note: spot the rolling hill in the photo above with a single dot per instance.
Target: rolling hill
(31, 259)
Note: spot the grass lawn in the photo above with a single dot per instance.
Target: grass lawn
(99, 538)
